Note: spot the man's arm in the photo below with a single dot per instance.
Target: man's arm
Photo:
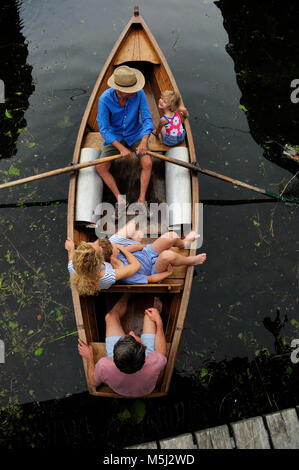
(160, 343)
(124, 151)
(86, 352)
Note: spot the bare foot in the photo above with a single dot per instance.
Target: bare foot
(158, 304)
(191, 237)
(199, 259)
(138, 236)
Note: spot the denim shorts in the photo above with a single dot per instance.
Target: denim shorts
(172, 140)
(148, 339)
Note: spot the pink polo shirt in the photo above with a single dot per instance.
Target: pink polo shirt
(138, 384)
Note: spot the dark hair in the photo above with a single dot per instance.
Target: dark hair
(128, 354)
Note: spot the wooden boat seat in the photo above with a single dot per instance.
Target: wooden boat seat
(95, 140)
(171, 285)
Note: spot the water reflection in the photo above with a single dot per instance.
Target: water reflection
(250, 271)
(262, 44)
(16, 75)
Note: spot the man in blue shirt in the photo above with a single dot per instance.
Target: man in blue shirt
(125, 123)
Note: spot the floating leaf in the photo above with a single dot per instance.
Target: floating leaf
(13, 171)
(65, 122)
(30, 144)
(59, 316)
(243, 108)
(124, 415)
(38, 351)
(138, 410)
(8, 114)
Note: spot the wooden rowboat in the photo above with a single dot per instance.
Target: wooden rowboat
(137, 48)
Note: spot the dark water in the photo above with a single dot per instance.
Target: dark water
(234, 62)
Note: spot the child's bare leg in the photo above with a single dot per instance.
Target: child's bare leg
(170, 239)
(129, 231)
(166, 241)
(175, 259)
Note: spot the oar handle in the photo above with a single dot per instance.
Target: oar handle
(59, 171)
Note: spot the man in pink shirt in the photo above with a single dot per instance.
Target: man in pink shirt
(133, 363)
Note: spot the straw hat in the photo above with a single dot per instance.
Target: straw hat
(126, 79)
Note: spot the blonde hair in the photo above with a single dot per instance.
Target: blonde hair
(172, 98)
(86, 263)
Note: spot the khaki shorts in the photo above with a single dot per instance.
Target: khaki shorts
(109, 149)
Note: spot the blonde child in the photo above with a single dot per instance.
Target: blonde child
(170, 124)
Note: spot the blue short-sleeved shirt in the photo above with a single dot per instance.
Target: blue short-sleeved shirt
(130, 122)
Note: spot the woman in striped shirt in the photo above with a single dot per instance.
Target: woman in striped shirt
(90, 273)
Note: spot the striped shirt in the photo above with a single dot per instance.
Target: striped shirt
(120, 240)
(106, 281)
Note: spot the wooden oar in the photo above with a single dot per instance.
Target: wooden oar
(197, 169)
(59, 171)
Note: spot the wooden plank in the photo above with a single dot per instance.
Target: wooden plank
(284, 429)
(146, 445)
(136, 47)
(152, 103)
(250, 434)
(173, 285)
(94, 140)
(184, 441)
(214, 438)
(173, 316)
(89, 318)
(99, 351)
